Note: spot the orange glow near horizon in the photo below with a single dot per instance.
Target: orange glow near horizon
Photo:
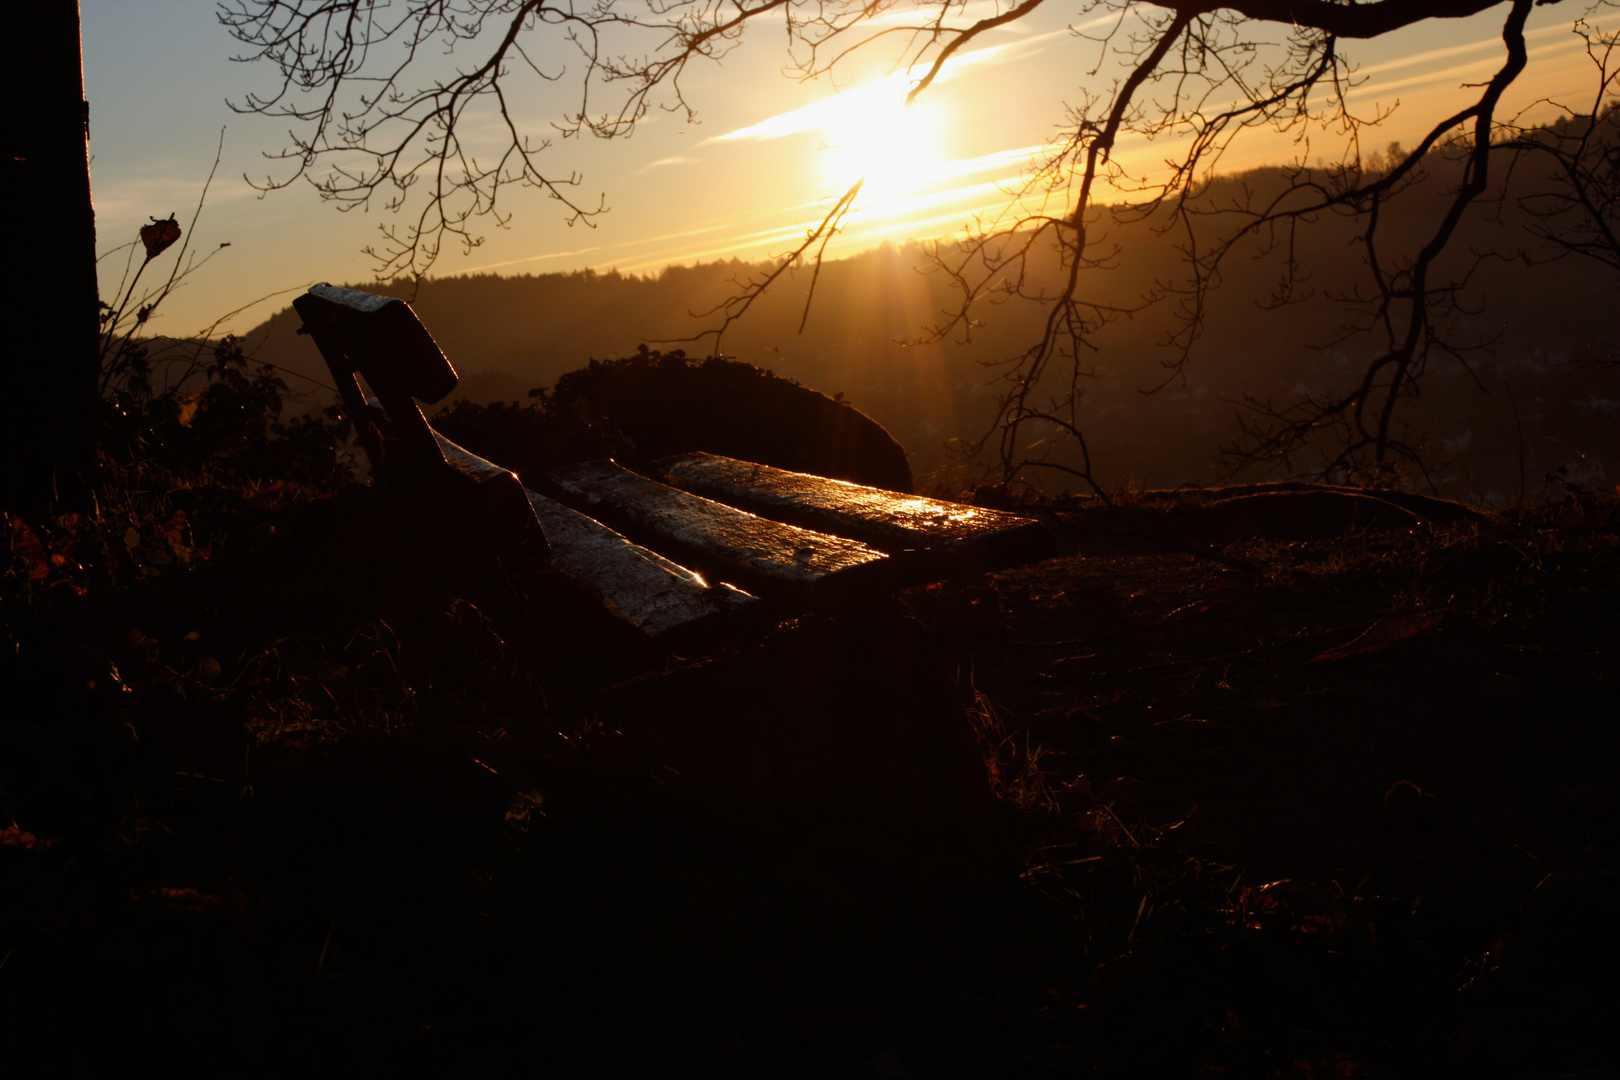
(777, 159)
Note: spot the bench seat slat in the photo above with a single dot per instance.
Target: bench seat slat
(640, 587)
(886, 520)
(763, 555)
(653, 594)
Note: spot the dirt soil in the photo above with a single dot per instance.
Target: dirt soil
(1270, 789)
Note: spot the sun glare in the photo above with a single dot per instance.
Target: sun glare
(871, 133)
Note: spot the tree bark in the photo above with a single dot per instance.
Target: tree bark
(1350, 20)
(48, 397)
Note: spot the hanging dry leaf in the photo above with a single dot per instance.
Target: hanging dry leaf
(159, 236)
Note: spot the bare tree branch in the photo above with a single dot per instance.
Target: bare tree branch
(368, 124)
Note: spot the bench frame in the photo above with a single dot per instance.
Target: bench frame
(799, 541)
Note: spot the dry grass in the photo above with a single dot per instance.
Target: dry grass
(274, 809)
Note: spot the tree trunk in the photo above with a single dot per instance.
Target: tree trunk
(48, 397)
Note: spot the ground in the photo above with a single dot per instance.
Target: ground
(1213, 792)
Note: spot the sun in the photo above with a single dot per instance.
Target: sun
(871, 132)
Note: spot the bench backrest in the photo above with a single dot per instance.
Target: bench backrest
(380, 338)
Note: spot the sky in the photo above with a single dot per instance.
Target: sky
(768, 154)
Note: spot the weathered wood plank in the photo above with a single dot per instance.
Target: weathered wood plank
(882, 519)
(470, 464)
(763, 555)
(655, 596)
(381, 338)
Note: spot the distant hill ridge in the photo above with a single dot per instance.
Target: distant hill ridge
(507, 335)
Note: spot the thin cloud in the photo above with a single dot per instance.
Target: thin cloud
(744, 243)
(943, 211)
(528, 259)
(1012, 50)
(877, 220)
(819, 114)
(1492, 43)
(682, 235)
(134, 200)
(914, 204)
(1458, 72)
(678, 160)
(1021, 157)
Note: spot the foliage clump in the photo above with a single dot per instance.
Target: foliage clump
(530, 438)
(216, 417)
(654, 404)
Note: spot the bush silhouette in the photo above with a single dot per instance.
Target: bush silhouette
(655, 404)
(670, 404)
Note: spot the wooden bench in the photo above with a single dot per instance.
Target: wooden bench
(690, 542)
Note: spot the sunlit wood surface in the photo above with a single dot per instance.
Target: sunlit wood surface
(756, 552)
(654, 595)
(885, 520)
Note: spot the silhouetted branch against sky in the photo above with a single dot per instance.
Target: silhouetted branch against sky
(1576, 211)
(426, 108)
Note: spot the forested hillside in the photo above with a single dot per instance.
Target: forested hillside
(1527, 394)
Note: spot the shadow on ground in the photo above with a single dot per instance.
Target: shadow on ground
(1212, 793)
